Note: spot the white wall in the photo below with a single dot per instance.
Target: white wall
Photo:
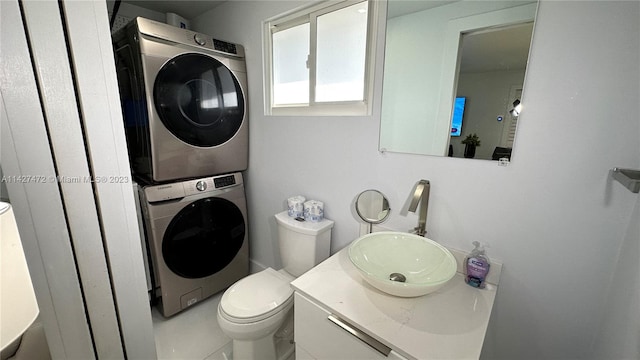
(131, 11)
(128, 12)
(619, 336)
(553, 216)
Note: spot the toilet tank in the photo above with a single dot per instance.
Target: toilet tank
(303, 244)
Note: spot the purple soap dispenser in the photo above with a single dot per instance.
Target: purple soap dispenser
(476, 267)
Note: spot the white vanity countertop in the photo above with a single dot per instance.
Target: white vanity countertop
(448, 324)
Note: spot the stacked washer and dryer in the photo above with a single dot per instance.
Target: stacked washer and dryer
(184, 102)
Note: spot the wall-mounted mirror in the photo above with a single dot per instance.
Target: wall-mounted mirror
(372, 207)
(453, 69)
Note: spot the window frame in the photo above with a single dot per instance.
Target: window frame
(313, 108)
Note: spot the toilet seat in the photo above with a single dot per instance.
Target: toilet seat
(256, 297)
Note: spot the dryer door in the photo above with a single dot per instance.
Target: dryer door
(203, 237)
(199, 100)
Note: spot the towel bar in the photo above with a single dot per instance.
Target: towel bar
(627, 177)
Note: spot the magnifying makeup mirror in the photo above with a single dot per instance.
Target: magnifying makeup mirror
(372, 207)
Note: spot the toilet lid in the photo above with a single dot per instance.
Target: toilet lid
(257, 296)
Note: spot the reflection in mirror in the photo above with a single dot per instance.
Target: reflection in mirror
(440, 59)
(490, 79)
(372, 207)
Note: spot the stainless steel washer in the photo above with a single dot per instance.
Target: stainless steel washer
(184, 99)
(197, 233)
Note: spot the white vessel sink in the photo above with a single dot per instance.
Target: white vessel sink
(418, 265)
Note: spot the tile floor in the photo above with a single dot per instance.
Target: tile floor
(192, 334)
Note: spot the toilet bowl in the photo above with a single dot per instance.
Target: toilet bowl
(257, 311)
(251, 312)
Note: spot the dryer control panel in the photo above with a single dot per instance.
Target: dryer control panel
(187, 37)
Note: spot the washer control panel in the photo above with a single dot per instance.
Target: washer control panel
(224, 181)
(163, 192)
(201, 185)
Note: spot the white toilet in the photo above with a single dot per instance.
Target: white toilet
(256, 312)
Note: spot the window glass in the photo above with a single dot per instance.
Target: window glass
(290, 72)
(320, 60)
(341, 53)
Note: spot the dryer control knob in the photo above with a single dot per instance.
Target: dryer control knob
(200, 40)
(201, 186)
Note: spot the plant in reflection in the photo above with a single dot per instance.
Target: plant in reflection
(470, 142)
(472, 139)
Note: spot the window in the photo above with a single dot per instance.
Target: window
(319, 60)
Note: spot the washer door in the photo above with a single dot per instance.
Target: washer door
(203, 238)
(198, 100)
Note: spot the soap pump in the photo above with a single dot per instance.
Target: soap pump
(476, 267)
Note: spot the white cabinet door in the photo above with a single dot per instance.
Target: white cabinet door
(322, 335)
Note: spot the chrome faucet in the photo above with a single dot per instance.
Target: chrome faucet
(421, 196)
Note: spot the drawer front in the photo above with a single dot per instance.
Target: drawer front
(325, 336)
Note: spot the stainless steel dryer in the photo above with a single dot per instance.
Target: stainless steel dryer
(184, 99)
(197, 233)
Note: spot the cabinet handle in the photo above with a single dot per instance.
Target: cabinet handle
(377, 345)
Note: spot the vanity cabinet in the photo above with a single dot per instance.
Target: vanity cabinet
(319, 334)
(450, 323)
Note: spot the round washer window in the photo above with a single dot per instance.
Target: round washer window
(203, 238)
(198, 100)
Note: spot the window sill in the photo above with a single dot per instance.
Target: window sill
(352, 109)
